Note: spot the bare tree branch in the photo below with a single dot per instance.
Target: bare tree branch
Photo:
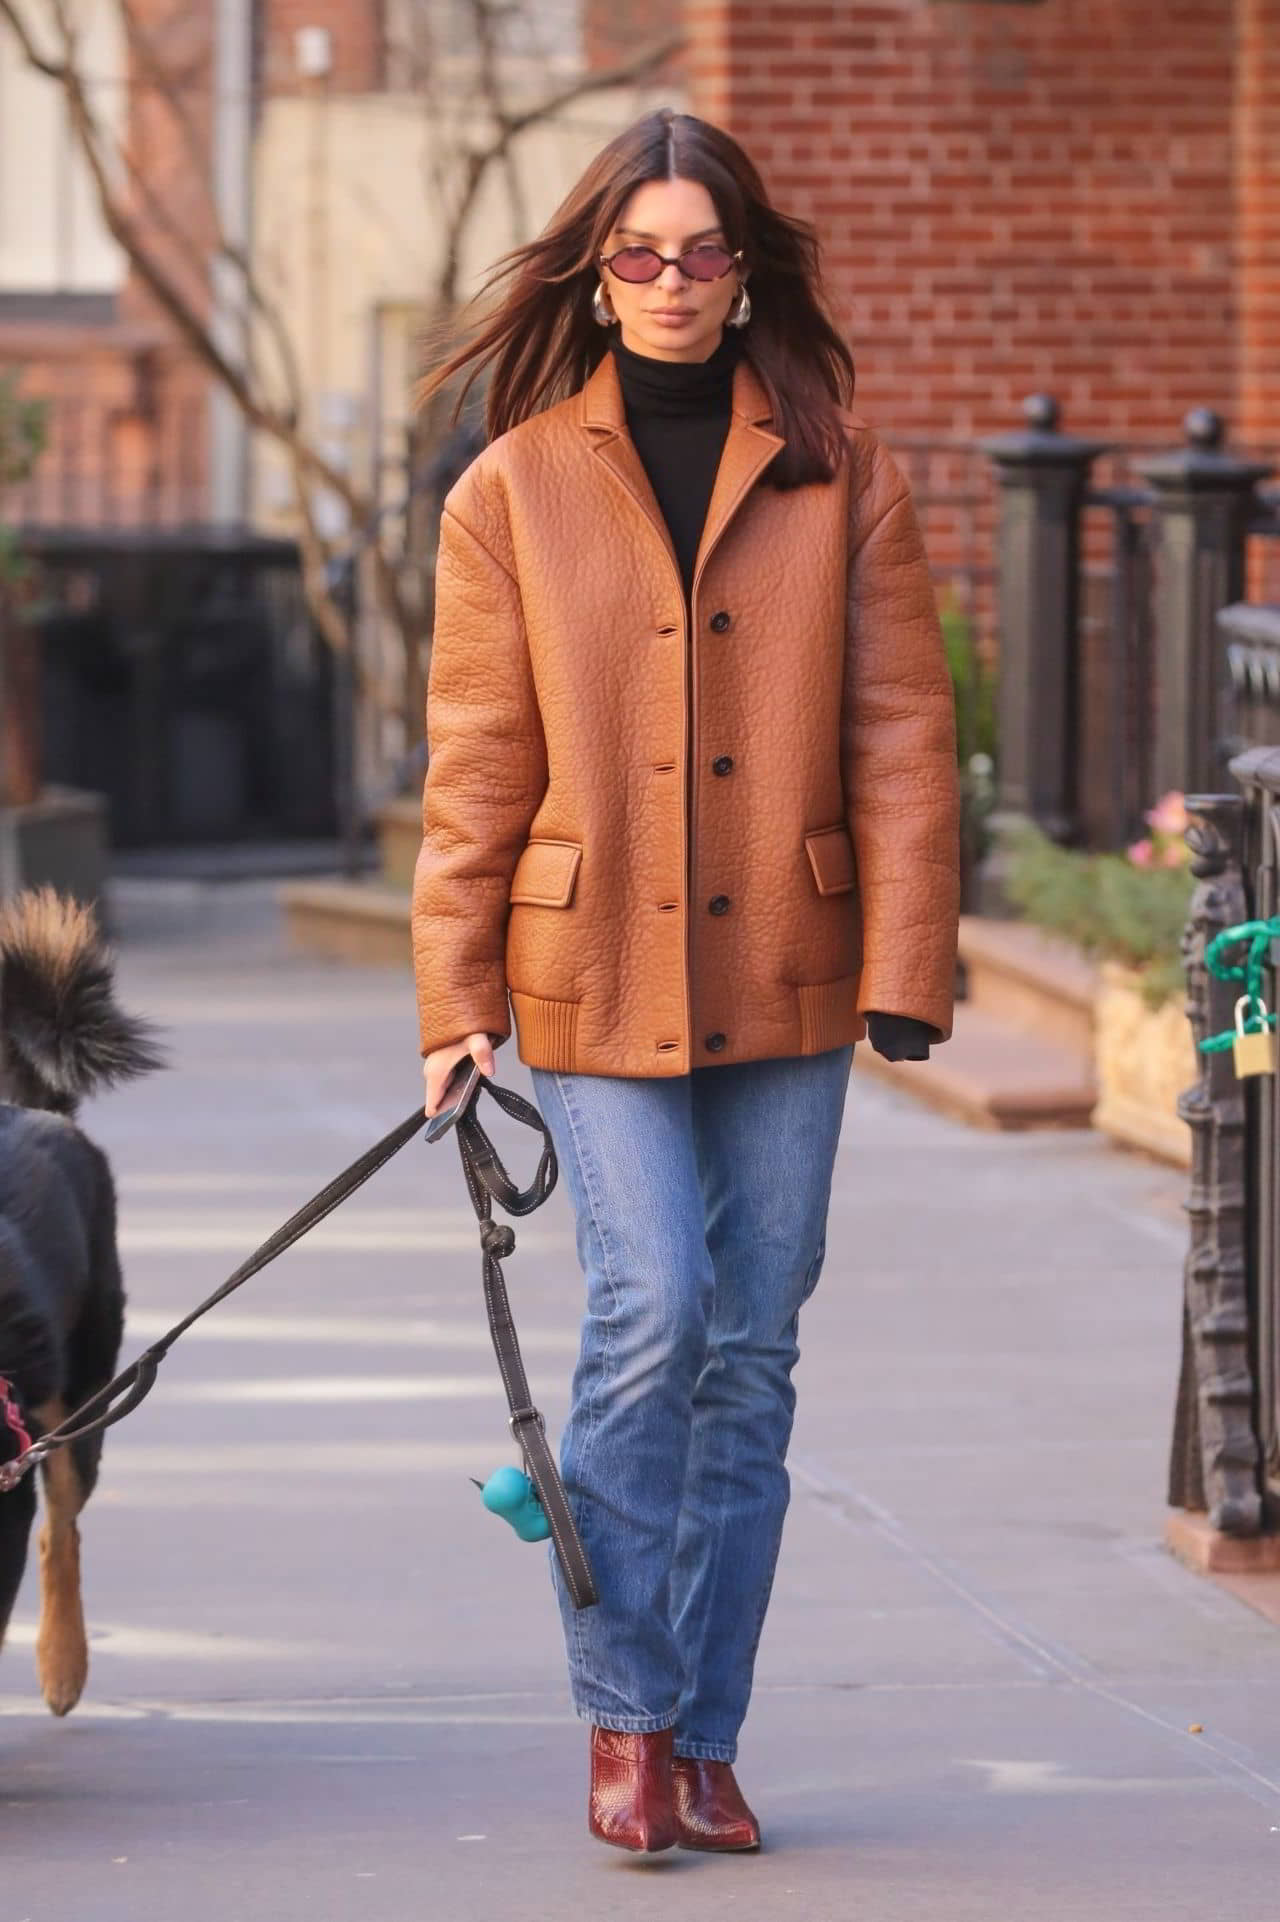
(160, 79)
(636, 68)
(457, 175)
(476, 161)
(190, 325)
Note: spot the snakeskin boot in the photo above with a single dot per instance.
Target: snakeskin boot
(630, 1798)
(709, 1809)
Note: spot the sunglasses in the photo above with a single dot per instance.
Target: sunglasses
(705, 262)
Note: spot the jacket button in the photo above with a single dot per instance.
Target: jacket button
(714, 1043)
(720, 621)
(719, 904)
(723, 764)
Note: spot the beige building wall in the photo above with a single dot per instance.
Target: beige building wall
(348, 238)
(52, 238)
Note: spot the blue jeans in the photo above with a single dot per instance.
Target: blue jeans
(701, 1207)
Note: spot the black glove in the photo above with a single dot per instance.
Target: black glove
(900, 1037)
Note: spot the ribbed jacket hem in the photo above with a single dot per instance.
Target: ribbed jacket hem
(549, 1034)
(827, 1013)
(548, 1031)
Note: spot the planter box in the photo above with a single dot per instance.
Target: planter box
(362, 921)
(366, 921)
(399, 839)
(60, 841)
(1145, 1059)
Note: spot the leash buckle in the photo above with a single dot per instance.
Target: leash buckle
(517, 1421)
(13, 1472)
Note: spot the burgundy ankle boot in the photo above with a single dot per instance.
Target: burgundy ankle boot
(630, 1799)
(709, 1809)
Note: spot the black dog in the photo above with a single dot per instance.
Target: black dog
(61, 1295)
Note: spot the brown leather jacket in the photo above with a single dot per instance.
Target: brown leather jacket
(680, 848)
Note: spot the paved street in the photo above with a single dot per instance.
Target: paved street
(328, 1687)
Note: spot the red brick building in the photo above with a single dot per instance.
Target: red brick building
(1079, 196)
(1073, 196)
(128, 421)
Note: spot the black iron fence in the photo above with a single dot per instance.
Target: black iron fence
(953, 491)
(1226, 1445)
(1118, 679)
(183, 678)
(1251, 638)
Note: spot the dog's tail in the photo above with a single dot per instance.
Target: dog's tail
(62, 1034)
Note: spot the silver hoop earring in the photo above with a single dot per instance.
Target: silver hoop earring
(739, 315)
(604, 315)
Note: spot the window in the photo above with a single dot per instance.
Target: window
(52, 239)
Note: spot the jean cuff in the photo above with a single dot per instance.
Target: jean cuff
(624, 1724)
(705, 1751)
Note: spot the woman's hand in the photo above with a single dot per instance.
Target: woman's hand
(438, 1066)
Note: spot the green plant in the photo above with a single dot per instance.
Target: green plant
(23, 434)
(974, 686)
(1129, 907)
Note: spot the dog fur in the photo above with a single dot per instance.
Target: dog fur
(62, 1037)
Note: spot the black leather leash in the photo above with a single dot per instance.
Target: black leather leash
(487, 1181)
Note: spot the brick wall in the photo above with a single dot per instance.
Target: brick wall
(128, 410)
(127, 426)
(1258, 130)
(1258, 135)
(160, 142)
(1010, 198)
(613, 29)
(356, 44)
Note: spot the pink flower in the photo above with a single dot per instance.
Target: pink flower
(1169, 815)
(1140, 854)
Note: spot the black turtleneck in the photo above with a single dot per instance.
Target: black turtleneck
(678, 416)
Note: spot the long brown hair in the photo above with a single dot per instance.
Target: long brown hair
(540, 341)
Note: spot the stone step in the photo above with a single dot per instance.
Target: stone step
(1035, 981)
(362, 921)
(399, 839)
(995, 1075)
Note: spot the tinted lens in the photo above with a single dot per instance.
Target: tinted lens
(646, 263)
(705, 263)
(636, 263)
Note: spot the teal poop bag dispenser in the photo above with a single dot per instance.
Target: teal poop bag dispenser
(509, 1493)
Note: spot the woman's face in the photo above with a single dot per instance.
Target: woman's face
(670, 318)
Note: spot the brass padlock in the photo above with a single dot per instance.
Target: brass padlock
(1253, 1053)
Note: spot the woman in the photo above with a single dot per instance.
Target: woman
(692, 804)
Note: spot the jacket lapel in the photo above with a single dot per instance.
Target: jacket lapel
(748, 448)
(604, 418)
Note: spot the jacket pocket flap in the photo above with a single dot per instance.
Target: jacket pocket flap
(546, 872)
(830, 852)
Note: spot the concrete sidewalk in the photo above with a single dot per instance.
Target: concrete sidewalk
(327, 1685)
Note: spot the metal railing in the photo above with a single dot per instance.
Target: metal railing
(1116, 677)
(954, 494)
(1225, 1457)
(182, 678)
